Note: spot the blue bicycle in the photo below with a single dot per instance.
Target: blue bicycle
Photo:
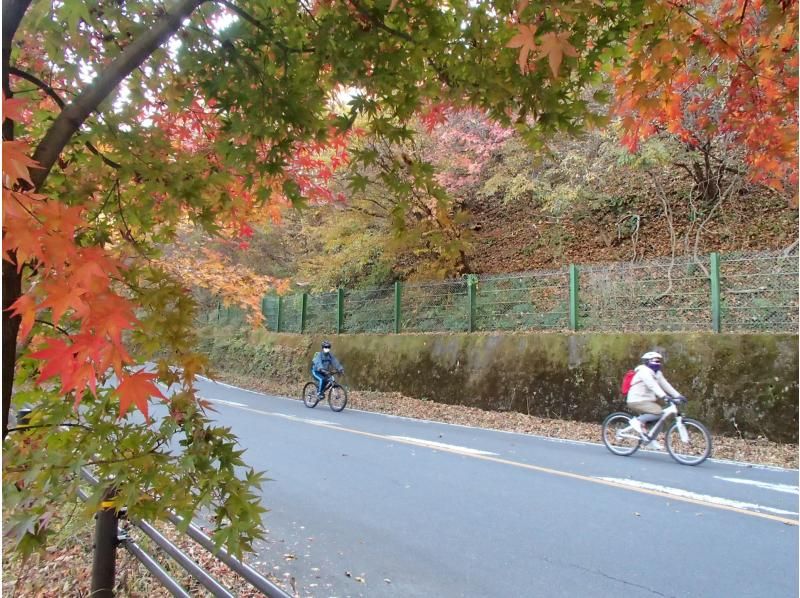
(337, 394)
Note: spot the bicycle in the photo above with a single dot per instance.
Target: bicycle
(687, 440)
(337, 394)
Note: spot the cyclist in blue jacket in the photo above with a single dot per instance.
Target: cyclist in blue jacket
(323, 365)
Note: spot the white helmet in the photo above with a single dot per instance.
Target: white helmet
(652, 356)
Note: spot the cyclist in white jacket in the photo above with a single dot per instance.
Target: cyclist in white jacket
(648, 387)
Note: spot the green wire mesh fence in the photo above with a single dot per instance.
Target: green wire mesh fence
(664, 295)
(370, 310)
(534, 300)
(760, 291)
(321, 313)
(435, 306)
(756, 292)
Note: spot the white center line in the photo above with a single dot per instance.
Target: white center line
(765, 485)
(232, 403)
(680, 493)
(453, 448)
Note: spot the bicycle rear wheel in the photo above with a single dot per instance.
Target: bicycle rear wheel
(694, 447)
(310, 397)
(618, 436)
(337, 397)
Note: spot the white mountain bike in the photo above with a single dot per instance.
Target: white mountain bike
(687, 440)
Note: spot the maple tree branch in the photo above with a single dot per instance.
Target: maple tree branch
(13, 11)
(744, 11)
(378, 22)
(55, 326)
(154, 452)
(52, 94)
(75, 114)
(240, 12)
(67, 425)
(126, 234)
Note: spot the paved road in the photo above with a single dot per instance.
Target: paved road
(365, 504)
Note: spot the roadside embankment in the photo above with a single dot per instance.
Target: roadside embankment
(740, 385)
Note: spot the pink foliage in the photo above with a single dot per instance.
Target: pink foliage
(463, 143)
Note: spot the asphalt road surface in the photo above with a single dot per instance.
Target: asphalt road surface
(364, 504)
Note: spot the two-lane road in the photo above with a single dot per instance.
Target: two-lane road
(364, 504)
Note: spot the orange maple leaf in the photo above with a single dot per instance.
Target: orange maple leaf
(137, 389)
(62, 296)
(526, 44)
(555, 46)
(16, 162)
(13, 108)
(24, 306)
(60, 358)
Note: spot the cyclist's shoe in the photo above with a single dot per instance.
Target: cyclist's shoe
(320, 395)
(654, 445)
(637, 427)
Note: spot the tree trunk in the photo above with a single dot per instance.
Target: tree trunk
(12, 288)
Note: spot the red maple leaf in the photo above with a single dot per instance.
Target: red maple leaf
(25, 307)
(137, 389)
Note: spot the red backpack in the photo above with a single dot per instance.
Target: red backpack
(626, 382)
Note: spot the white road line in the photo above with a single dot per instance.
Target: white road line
(613, 482)
(508, 432)
(765, 485)
(305, 420)
(680, 493)
(233, 403)
(453, 448)
(255, 392)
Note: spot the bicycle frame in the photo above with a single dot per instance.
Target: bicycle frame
(671, 409)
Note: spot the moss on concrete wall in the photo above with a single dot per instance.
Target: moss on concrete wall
(737, 384)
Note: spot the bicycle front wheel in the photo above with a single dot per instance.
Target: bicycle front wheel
(337, 397)
(310, 397)
(690, 447)
(618, 436)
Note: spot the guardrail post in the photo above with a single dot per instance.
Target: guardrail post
(471, 295)
(716, 294)
(105, 547)
(397, 298)
(280, 314)
(303, 307)
(339, 310)
(573, 297)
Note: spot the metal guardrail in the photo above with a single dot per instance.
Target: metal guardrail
(105, 579)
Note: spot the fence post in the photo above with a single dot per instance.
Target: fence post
(397, 296)
(303, 306)
(471, 294)
(264, 308)
(104, 562)
(716, 294)
(573, 297)
(280, 313)
(339, 310)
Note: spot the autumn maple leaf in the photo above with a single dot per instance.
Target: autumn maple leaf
(16, 162)
(25, 307)
(555, 46)
(524, 40)
(13, 108)
(137, 389)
